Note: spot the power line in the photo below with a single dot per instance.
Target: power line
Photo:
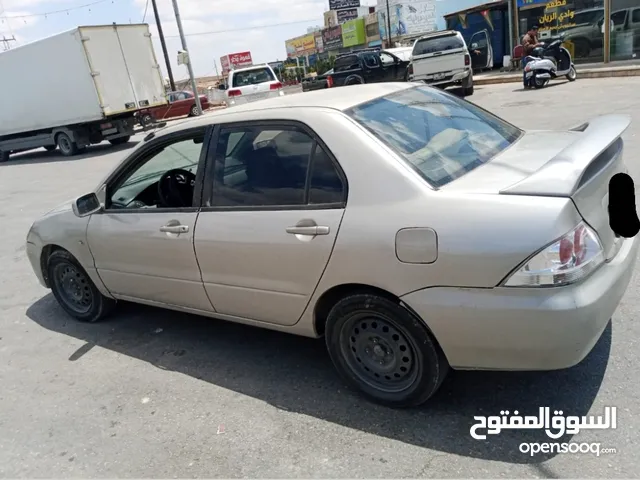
(242, 29)
(53, 12)
(145, 12)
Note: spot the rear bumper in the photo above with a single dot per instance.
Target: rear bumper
(455, 79)
(243, 99)
(525, 328)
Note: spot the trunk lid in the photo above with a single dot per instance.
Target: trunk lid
(577, 164)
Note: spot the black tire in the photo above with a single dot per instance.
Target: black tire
(468, 91)
(194, 112)
(66, 146)
(4, 156)
(50, 148)
(74, 290)
(120, 140)
(384, 351)
(146, 119)
(538, 83)
(355, 81)
(572, 75)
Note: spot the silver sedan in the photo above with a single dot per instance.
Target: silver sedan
(413, 230)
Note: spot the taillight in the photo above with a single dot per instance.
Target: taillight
(467, 60)
(234, 93)
(275, 86)
(329, 81)
(410, 69)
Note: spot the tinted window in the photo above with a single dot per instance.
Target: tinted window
(342, 64)
(441, 136)
(619, 18)
(370, 60)
(636, 16)
(481, 40)
(268, 168)
(437, 44)
(326, 185)
(252, 77)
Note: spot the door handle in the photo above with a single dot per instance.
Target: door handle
(311, 231)
(174, 228)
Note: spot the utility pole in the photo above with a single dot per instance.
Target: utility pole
(5, 42)
(389, 25)
(176, 10)
(164, 46)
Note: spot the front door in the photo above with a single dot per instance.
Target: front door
(373, 70)
(393, 70)
(142, 242)
(269, 221)
(480, 50)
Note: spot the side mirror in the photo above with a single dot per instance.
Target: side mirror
(87, 205)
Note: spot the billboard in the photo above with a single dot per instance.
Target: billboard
(339, 4)
(346, 15)
(300, 46)
(330, 18)
(353, 33)
(319, 42)
(371, 29)
(332, 38)
(235, 60)
(408, 17)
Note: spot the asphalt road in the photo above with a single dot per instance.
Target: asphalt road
(159, 394)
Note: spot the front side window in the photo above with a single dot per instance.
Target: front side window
(386, 58)
(442, 137)
(445, 43)
(270, 166)
(164, 178)
(252, 77)
(370, 60)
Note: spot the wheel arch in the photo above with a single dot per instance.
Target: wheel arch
(45, 253)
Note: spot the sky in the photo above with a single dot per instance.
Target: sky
(213, 27)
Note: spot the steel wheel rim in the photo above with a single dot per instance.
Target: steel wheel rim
(378, 352)
(65, 143)
(73, 287)
(572, 73)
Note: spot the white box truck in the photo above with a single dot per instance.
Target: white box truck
(77, 88)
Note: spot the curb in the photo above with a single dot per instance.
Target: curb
(591, 73)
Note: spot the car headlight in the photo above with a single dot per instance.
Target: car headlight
(565, 261)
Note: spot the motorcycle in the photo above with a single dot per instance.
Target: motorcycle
(549, 62)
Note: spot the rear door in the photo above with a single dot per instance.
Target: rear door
(273, 206)
(438, 55)
(480, 50)
(142, 65)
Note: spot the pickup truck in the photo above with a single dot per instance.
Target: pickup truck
(367, 66)
(316, 83)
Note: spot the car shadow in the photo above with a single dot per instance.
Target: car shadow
(40, 155)
(549, 85)
(295, 374)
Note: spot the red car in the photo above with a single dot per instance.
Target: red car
(180, 104)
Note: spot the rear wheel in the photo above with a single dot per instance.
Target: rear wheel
(355, 81)
(74, 290)
(67, 146)
(384, 351)
(539, 82)
(120, 140)
(146, 119)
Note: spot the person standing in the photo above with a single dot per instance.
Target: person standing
(529, 42)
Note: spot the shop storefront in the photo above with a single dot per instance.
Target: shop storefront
(581, 25)
(372, 30)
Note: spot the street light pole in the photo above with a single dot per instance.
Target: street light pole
(389, 25)
(176, 10)
(164, 46)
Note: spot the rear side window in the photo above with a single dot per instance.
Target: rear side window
(442, 137)
(342, 64)
(252, 77)
(437, 44)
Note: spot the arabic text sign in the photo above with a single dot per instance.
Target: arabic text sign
(526, 3)
(301, 45)
(346, 15)
(555, 427)
(332, 38)
(338, 4)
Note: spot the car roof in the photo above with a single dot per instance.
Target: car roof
(439, 33)
(340, 98)
(252, 67)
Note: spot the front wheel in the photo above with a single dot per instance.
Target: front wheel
(194, 112)
(120, 140)
(74, 290)
(572, 75)
(384, 351)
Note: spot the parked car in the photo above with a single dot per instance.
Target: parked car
(587, 34)
(442, 59)
(367, 66)
(316, 83)
(180, 104)
(412, 229)
(253, 83)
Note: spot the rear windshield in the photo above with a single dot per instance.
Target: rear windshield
(437, 44)
(252, 77)
(442, 137)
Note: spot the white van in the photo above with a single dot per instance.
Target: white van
(250, 84)
(442, 59)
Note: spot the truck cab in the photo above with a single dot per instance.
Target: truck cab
(367, 66)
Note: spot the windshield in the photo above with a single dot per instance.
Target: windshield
(252, 77)
(437, 44)
(442, 137)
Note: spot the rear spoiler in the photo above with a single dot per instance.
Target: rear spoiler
(563, 174)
